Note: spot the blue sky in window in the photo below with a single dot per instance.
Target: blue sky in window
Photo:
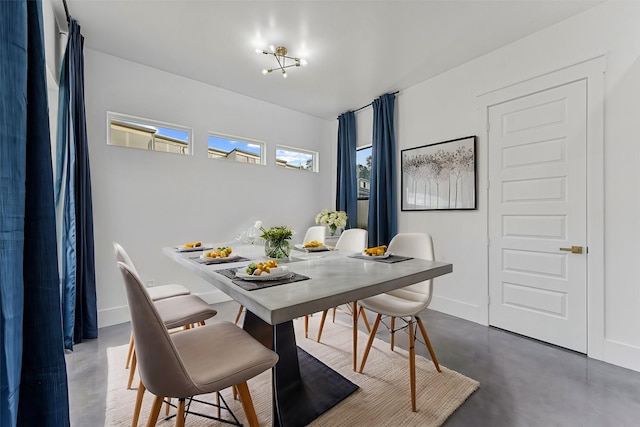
(293, 157)
(362, 154)
(229, 144)
(181, 135)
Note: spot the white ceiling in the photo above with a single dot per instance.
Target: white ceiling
(356, 50)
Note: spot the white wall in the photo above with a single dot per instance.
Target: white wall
(446, 107)
(149, 200)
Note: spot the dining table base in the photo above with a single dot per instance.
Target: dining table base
(303, 387)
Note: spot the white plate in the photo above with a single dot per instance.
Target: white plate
(276, 273)
(202, 247)
(315, 249)
(384, 255)
(230, 257)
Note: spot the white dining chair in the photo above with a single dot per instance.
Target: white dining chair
(405, 303)
(317, 233)
(351, 240)
(193, 362)
(156, 293)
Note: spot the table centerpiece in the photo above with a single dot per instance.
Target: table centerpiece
(276, 241)
(333, 219)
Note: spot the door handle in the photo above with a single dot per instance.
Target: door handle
(573, 249)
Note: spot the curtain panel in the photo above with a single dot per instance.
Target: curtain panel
(347, 187)
(383, 205)
(74, 199)
(33, 371)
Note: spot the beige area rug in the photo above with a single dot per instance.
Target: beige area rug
(382, 400)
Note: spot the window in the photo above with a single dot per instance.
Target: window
(296, 158)
(363, 163)
(146, 134)
(237, 149)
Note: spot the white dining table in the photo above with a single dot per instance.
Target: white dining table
(303, 387)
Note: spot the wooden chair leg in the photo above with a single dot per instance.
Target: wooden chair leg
(239, 314)
(306, 326)
(132, 371)
(155, 411)
(354, 315)
(364, 318)
(218, 402)
(412, 366)
(235, 392)
(247, 404)
(334, 315)
(130, 352)
(180, 413)
(372, 336)
(322, 319)
(393, 332)
(434, 359)
(136, 408)
(201, 323)
(167, 406)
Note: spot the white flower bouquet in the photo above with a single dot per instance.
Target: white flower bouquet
(333, 219)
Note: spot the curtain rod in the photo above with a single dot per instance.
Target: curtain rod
(66, 10)
(369, 104)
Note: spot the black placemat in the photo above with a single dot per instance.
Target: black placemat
(388, 260)
(217, 260)
(249, 285)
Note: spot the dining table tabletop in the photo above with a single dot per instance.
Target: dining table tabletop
(303, 387)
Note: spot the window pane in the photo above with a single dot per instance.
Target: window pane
(146, 134)
(295, 158)
(363, 163)
(236, 149)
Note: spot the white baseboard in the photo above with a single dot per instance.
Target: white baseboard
(116, 315)
(621, 354)
(113, 316)
(460, 309)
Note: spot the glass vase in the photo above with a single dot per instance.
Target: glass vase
(332, 229)
(278, 249)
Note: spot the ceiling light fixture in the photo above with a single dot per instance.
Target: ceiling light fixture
(280, 53)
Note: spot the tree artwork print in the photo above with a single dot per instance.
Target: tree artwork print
(440, 176)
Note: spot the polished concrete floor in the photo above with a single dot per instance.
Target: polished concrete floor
(523, 382)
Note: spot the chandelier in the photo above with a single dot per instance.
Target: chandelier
(280, 53)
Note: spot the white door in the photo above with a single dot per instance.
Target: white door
(537, 212)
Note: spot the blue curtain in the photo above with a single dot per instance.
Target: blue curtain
(73, 198)
(383, 214)
(347, 188)
(32, 367)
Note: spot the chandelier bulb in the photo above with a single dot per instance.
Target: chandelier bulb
(272, 48)
(303, 62)
(284, 74)
(259, 50)
(264, 72)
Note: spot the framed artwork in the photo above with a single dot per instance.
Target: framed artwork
(440, 176)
